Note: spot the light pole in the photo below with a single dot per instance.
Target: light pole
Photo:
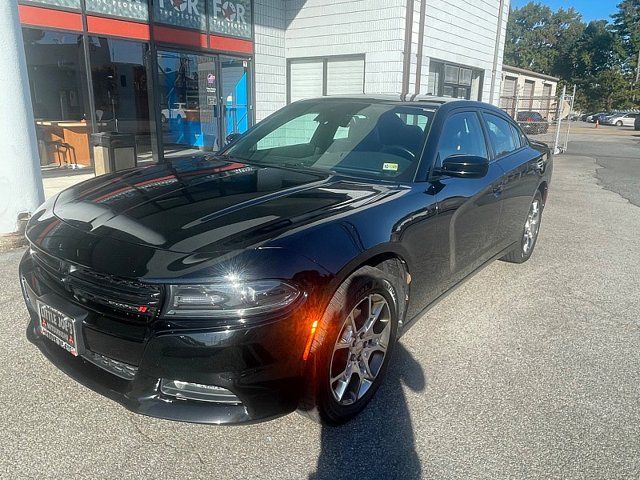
(20, 180)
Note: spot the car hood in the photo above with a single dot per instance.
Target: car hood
(208, 205)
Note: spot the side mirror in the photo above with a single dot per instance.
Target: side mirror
(232, 137)
(464, 166)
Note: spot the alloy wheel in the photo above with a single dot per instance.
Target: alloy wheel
(531, 227)
(360, 349)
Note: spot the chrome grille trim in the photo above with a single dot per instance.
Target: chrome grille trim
(117, 368)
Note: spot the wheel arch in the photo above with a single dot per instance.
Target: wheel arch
(543, 188)
(389, 258)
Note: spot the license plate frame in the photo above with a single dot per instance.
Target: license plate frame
(58, 327)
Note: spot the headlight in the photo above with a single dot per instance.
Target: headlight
(228, 299)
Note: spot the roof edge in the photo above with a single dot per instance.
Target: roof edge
(531, 73)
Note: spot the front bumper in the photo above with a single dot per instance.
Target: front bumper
(261, 365)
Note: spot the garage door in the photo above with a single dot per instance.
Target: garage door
(311, 78)
(528, 94)
(306, 79)
(508, 94)
(546, 101)
(345, 76)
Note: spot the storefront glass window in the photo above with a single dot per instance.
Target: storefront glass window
(182, 13)
(189, 102)
(235, 93)
(59, 96)
(131, 9)
(56, 3)
(120, 91)
(230, 17)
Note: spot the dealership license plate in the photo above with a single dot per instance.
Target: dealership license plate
(58, 328)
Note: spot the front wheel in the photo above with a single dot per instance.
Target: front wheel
(353, 345)
(619, 123)
(522, 252)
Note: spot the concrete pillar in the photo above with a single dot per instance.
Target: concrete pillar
(20, 180)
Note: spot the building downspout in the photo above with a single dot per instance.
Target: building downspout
(406, 60)
(423, 15)
(496, 52)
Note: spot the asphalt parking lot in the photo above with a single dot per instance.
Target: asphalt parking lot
(528, 371)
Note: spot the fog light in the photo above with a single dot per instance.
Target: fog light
(197, 391)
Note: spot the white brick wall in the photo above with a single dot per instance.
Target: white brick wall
(464, 32)
(458, 31)
(270, 63)
(374, 28)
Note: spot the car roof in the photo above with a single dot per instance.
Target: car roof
(408, 100)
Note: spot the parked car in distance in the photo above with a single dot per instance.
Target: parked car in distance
(637, 123)
(533, 122)
(596, 116)
(587, 116)
(602, 117)
(621, 119)
(176, 112)
(279, 273)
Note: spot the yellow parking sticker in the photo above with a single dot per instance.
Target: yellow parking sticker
(393, 167)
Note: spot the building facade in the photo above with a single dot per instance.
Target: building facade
(525, 90)
(180, 75)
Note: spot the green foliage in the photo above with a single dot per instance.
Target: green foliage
(599, 57)
(626, 24)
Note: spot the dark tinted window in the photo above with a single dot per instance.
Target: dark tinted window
(462, 135)
(500, 134)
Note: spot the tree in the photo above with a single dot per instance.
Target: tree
(600, 58)
(626, 23)
(541, 40)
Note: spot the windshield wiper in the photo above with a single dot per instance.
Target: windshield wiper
(300, 165)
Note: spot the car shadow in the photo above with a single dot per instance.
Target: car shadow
(379, 443)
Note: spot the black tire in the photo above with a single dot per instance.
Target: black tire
(318, 401)
(520, 254)
(619, 123)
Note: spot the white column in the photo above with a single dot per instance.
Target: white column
(20, 181)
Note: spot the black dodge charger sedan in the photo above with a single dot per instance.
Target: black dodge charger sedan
(279, 273)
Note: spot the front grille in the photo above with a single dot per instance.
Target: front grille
(119, 369)
(100, 292)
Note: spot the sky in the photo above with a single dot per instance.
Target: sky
(590, 9)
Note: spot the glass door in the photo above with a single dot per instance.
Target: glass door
(189, 103)
(235, 97)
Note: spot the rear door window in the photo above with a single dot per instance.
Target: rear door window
(500, 135)
(518, 137)
(462, 135)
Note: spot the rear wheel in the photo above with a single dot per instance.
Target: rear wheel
(352, 347)
(522, 252)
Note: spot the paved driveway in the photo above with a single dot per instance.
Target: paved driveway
(528, 371)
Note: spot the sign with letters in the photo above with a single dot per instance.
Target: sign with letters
(57, 3)
(182, 13)
(133, 9)
(230, 17)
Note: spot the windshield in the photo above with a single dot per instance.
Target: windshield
(370, 140)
